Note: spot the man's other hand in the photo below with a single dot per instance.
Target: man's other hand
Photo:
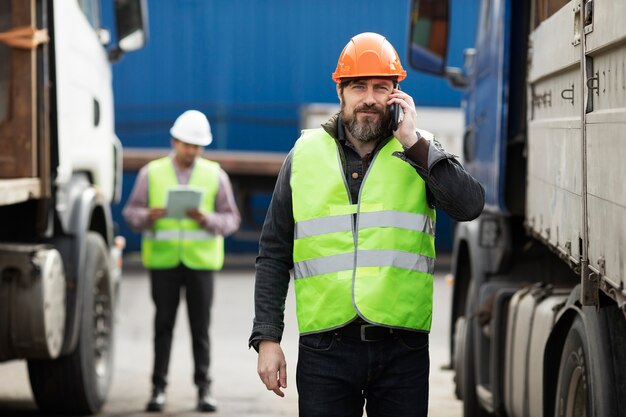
(155, 214)
(272, 367)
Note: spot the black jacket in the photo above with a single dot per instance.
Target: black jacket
(449, 188)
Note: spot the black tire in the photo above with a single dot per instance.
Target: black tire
(459, 352)
(585, 388)
(471, 406)
(78, 384)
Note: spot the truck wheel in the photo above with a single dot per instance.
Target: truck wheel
(471, 406)
(585, 388)
(78, 384)
(459, 352)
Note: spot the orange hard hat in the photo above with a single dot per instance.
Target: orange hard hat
(368, 55)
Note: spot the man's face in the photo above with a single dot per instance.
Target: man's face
(364, 109)
(185, 152)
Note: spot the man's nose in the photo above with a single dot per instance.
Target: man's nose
(369, 97)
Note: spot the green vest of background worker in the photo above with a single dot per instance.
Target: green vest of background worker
(353, 215)
(182, 246)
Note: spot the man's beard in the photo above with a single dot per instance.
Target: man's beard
(367, 130)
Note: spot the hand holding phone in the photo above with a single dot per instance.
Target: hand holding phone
(396, 113)
(403, 117)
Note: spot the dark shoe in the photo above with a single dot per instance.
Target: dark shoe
(157, 400)
(206, 402)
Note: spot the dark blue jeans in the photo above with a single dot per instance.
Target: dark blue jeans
(337, 375)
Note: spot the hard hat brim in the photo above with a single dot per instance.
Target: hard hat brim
(199, 141)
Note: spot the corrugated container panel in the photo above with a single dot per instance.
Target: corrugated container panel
(250, 65)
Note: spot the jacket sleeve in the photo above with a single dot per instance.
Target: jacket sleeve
(449, 186)
(274, 262)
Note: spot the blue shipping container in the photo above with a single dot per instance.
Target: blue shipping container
(250, 66)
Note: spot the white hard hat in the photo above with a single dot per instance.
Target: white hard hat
(192, 127)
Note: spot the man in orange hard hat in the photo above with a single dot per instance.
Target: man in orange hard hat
(183, 247)
(353, 214)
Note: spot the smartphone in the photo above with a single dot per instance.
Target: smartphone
(396, 113)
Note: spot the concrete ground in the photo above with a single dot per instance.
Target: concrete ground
(236, 384)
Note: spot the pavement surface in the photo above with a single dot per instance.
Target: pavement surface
(236, 385)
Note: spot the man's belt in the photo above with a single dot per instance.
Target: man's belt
(369, 332)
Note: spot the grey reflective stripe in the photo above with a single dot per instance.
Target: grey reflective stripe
(385, 218)
(324, 265)
(399, 219)
(162, 234)
(382, 258)
(196, 235)
(323, 225)
(398, 259)
(178, 234)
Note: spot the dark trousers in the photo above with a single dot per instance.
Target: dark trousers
(166, 290)
(337, 375)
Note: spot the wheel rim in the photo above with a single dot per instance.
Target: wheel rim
(102, 315)
(577, 391)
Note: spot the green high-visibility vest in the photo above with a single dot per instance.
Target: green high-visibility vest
(374, 257)
(172, 241)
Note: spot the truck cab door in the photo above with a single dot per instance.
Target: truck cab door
(486, 103)
(84, 102)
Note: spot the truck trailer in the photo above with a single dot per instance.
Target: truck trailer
(538, 311)
(60, 169)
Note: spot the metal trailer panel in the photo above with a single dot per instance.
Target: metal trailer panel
(606, 153)
(606, 144)
(554, 197)
(554, 184)
(608, 24)
(544, 318)
(551, 42)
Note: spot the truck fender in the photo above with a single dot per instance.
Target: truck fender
(465, 264)
(599, 363)
(472, 259)
(89, 212)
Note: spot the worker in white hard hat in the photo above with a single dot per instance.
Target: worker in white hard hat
(184, 206)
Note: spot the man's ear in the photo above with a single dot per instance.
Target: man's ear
(339, 93)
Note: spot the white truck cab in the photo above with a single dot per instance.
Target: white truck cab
(60, 169)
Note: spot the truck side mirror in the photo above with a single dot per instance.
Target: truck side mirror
(428, 40)
(428, 36)
(131, 20)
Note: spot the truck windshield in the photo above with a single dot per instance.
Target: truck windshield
(5, 22)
